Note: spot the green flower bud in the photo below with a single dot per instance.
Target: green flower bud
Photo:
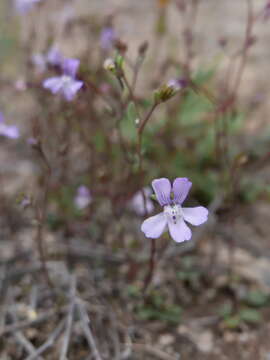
(167, 91)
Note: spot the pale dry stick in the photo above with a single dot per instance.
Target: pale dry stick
(85, 321)
(26, 324)
(18, 335)
(126, 354)
(26, 344)
(70, 318)
(49, 343)
(22, 340)
(33, 298)
(115, 335)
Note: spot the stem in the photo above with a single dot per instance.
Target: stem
(145, 120)
(152, 265)
(246, 47)
(41, 214)
(152, 262)
(140, 134)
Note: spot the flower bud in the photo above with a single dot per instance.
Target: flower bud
(109, 65)
(166, 91)
(137, 122)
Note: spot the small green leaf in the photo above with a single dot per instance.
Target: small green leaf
(256, 298)
(251, 316)
(232, 322)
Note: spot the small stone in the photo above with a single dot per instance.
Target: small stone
(205, 341)
(166, 339)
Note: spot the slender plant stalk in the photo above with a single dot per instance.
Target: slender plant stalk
(152, 265)
(41, 216)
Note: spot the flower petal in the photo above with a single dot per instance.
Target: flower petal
(71, 89)
(107, 38)
(137, 202)
(70, 67)
(54, 84)
(196, 215)
(10, 131)
(154, 226)
(54, 56)
(181, 187)
(162, 188)
(179, 231)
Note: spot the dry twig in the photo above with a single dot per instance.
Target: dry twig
(49, 343)
(70, 317)
(85, 321)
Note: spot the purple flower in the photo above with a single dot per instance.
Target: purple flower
(66, 84)
(23, 6)
(173, 215)
(54, 56)
(83, 197)
(107, 37)
(32, 141)
(174, 85)
(137, 202)
(10, 131)
(39, 61)
(266, 11)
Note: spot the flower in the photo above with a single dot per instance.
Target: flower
(173, 215)
(107, 38)
(83, 197)
(168, 90)
(266, 11)
(10, 131)
(32, 141)
(39, 61)
(137, 202)
(66, 84)
(54, 56)
(23, 6)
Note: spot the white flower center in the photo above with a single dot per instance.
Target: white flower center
(173, 213)
(66, 80)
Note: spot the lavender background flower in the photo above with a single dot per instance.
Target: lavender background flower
(173, 215)
(54, 56)
(66, 84)
(137, 202)
(10, 131)
(39, 62)
(83, 197)
(107, 37)
(23, 6)
(266, 11)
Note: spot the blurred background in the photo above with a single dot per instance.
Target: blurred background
(78, 278)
